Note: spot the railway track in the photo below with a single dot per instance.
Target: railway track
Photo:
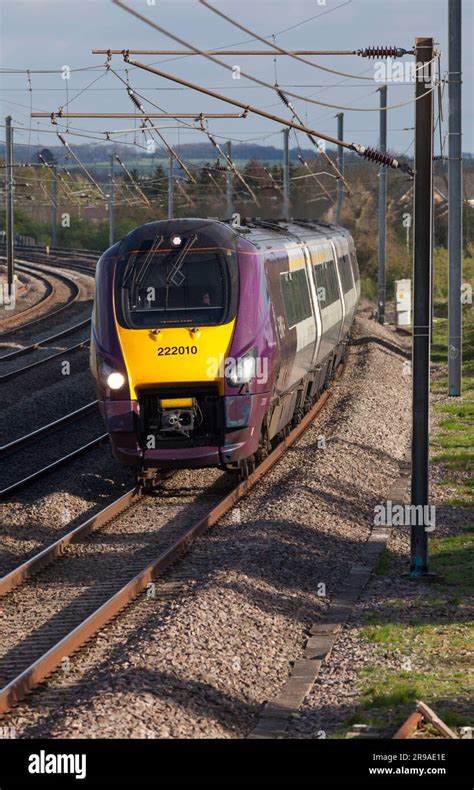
(26, 368)
(45, 433)
(48, 293)
(42, 344)
(38, 271)
(19, 352)
(68, 629)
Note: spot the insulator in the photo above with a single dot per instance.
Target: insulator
(381, 52)
(379, 157)
(382, 159)
(284, 99)
(134, 99)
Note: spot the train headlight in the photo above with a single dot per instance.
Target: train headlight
(115, 380)
(242, 370)
(109, 377)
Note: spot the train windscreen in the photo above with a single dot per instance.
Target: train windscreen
(178, 287)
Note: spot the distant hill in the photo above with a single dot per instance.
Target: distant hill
(90, 154)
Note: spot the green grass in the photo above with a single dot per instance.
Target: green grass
(432, 656)
(455, 441)
(381, 569)
(453, 558)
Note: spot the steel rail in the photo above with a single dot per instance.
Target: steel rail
(56, 263)
(19, 352)
(26, 570)
(23, 266)
(47, 430)
(26, 368)
(54, 465)
(409, 726)
(23, 683)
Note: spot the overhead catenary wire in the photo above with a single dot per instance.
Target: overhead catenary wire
(361, 150)
(188, 198)
(147, 122)
(198, 116)
(312, 140)
(231, 164)
(213, 59)
(280, 51)
(134, 183)
(135, 98)
(58, 175)
(83, 168)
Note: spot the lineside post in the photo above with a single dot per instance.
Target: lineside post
(340, 165)
(422, 273)
(228, 182)
(170, 188)
(55, 206)
(10, 230)
(382, 205)
(286, 173)
(454, 201)
(111, 201)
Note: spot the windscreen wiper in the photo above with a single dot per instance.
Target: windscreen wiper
(175, 276)
(143, 267)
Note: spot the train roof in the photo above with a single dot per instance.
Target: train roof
(256, 231)
(293, 229)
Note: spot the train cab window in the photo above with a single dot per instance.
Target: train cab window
(345, 272)
(295, 292)
(195, 292)
(326, 283)
(355, 265)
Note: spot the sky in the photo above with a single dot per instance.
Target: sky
(48, 35)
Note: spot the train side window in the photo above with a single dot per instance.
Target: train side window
(326, 283)
(295, 292)
(345, 271)
(355, 265)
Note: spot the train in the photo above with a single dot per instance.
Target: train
(211, 339)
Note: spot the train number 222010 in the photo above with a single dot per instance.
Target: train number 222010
(167, 351)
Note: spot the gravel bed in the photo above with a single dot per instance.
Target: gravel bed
(50, 448)
(202, 662)
(29, 291)
(34, 387)
(44, 394)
